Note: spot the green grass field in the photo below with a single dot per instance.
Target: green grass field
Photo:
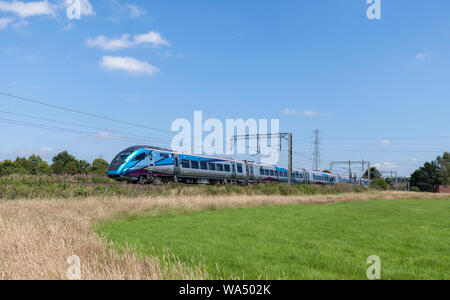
(333, 241)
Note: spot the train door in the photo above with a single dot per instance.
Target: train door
(151, 161)
(233, 170)
(176, 162)
(248, 169)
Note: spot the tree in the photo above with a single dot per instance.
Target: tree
(44, 169)
(7, 168)
(72, 168)
(21, 166)
(33, 164)
(444, 165)
(374, 174)
(83, 167)
(64, 163)
(99, 166)
(427, 178)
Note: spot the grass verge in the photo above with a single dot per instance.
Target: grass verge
(38, 235)
(411, 237)
(68, 187)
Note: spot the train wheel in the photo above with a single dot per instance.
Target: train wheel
(142, 180)
(157, 181)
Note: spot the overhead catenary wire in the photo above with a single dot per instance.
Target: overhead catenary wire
(29, 100)
(19, 98)
(85, 126)
(69, 130)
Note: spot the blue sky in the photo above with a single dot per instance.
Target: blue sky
(376, 89)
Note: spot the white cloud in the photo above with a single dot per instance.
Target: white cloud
(4, 22)
(306, 113)
(125, 41)
(385, 165)
(110, 44)
(43, 152)
(309, 113)
(105, 135)
(127, 64)
(423, 55)
(28, 9)
(68, 27)
(385, 142)
(20, 24)
(135, 11)
(151, 37)
(167, 54)
(289, 112)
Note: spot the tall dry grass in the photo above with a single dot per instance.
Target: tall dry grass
(37, 236)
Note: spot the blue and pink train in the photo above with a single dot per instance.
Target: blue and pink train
(146, 164)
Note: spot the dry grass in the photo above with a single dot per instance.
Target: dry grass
(37, 236)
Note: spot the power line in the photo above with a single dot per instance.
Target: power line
(388, 138)
(15, 97)
(69, 130)
(81, 112)
(84, 126)
(383, 151)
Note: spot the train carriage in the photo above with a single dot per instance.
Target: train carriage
(146, 164)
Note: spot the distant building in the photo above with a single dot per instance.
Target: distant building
(444, 189)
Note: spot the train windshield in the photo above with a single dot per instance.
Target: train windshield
(122, 156)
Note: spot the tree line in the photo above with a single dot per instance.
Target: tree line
(432, 174)
(427, 178)
(62, 163)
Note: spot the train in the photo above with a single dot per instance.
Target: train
(154, 165)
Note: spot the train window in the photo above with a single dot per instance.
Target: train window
(212, 166)
(220, 167)
(203, 165)
(277, 174)
(140, 157)
(267, 172)
(261, 171)
(176, 162)
(164, 155)
(239, 168)
(195, 164)
(272, 173)
(285, 174)
(185, 164)
(227, 168)
(233, 168)
(251, 170)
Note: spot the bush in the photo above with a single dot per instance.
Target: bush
(379, 184)
(415, 189)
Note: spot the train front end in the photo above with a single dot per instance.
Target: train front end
(118, 168)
